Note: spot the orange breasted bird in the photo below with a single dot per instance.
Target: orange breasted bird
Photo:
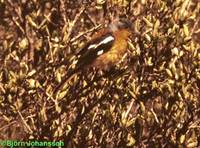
(105, 49)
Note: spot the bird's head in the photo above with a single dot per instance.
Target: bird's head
(120, 24)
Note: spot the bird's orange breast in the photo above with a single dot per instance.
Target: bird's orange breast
(114, 55)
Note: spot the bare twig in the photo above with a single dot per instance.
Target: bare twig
(25, 124)
(129, 108)
(83, 33)
(18, 25)
(63, 10)
(17, 10)
(7, 125)
(195, 25)
(72, 24)
(91, 19)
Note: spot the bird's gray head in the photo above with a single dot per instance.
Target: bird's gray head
(120, 24)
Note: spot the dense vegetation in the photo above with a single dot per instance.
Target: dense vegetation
(151, 99)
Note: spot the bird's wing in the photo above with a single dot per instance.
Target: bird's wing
(95, 48)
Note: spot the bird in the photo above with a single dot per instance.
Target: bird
(104, 50)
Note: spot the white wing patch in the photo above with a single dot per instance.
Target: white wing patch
(100, 52)
(92, 46)
(104, 41)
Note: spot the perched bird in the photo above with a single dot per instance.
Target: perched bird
(105, 49)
